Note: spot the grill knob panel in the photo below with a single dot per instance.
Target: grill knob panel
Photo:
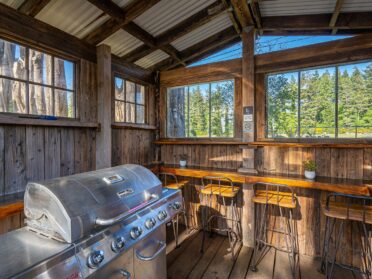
(118, 244)
(150, 223)
(162, 215)
(135, 232)
(95, 258)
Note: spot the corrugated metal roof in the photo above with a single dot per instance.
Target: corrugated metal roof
(295, 7)
(152, 59)
(12, 3)
(357, 6)
(168, 13)
(214, 26)
(76, 17)
(122, 3)
(122, 42)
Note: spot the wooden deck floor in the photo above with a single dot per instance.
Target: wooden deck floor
(187, 262)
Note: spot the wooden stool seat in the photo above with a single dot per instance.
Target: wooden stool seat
(283, 199)
(177, 185)
(352, 212)
(221, 190)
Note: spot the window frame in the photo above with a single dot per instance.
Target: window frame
(210, 138)
(144, 105)
(336, 88)
(29, 83)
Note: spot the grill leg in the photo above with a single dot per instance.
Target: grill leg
(175, 229)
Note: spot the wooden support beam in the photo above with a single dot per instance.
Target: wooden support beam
(231, 14)
(200, 18)
(335, 15)
(132, 11)
(352, 23)
(32, 7)
(255, 10)
(242, 12)
(104, 112)
(109, 8)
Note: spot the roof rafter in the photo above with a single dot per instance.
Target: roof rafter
(255, 10)
(206, 47)
(200, 18)
(32, 7)
(129, 13)
(242, 12)
(234, 21)
(335, 15)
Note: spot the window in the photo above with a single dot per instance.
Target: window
(34, 82)
(329, 102)
(201, 110)
(129, 102)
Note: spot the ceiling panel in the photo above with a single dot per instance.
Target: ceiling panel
(76, 17)
(357, 6)
(214, 26)
(168, 13)
(296, 7)
(122, 42)
(15, 4)
(152, 59)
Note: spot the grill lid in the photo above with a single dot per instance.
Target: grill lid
(69, 208)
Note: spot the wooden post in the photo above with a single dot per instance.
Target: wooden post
(248, 134)
(104, 100)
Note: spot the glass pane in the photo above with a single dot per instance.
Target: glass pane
(177, 120)
(317, 94)
(140, 94)
(12, 60)
(282, 105)
(12, 96)
(130, 113)
(130, 91)
(41, 100)
(119, 111)
(140, 114)
(40, 67)
(355, 100)
(63, 73)
(199, 110)
(222, 109)
(64, 103)
(119, 89)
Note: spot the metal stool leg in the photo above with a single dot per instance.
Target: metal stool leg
(259, 239)
(337, 246)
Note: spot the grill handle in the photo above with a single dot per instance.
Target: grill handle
(162, 246)
(125, 273)
(110, 221)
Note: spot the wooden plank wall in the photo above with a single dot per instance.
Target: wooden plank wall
(32, 153)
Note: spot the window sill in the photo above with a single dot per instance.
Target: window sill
(133, 126)
(13, 120)
(199, 142)
(362, 143)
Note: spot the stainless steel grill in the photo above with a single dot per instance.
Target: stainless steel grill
(97, 224)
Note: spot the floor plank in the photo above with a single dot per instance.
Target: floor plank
(241, 265)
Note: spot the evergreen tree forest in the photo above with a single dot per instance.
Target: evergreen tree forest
(307, 107)
(203, 110)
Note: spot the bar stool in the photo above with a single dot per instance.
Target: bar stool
(351, 208)
(212, 186)
(171, 182)
(277, 197)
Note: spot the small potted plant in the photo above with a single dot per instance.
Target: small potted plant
(310, 168)
(183, 160)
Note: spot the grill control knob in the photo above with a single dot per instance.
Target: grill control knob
(135, 232)
(118, 244)
(95, 258)
(176, 205)
(150, 223)
(162, 215)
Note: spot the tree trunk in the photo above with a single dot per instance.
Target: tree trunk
(61, 106)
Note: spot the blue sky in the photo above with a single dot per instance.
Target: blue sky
(266, 44)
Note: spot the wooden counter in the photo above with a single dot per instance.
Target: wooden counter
(345, 186)
(11, 204)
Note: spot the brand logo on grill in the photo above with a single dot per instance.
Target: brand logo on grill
(125, 192)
